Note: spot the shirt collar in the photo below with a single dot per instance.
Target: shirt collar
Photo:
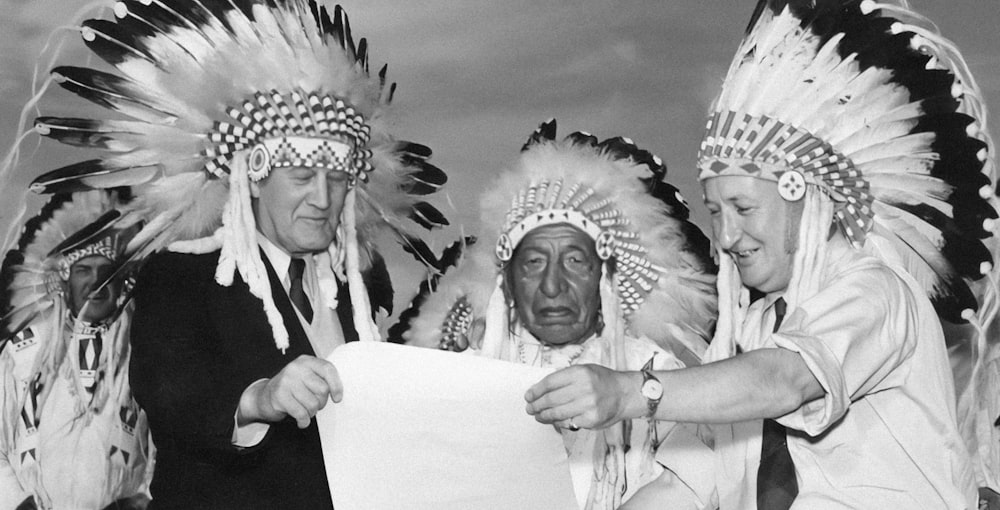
(280, 260)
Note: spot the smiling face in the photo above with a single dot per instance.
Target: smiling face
(298, 208)
(84, 277)
(751, 222)
(555, 278)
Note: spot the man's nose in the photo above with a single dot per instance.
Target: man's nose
(729, 232)
(319, 193)
(553, 280)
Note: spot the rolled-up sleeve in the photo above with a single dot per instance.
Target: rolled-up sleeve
(853, 338)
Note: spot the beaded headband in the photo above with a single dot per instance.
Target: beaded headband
(107, 247)
(324, 132)
(656, 282)
(766, 148)
(544, 203)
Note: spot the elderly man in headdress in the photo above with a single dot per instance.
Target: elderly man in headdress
(843, 167)
(592, 261)
(71, 435)
(258, 154)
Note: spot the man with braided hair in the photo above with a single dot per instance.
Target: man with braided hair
(598, 264)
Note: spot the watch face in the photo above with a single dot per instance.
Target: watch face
(652, 389)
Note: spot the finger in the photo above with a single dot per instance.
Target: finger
(556, 397)
(319, 388)
(556, 416)
(316, 384)
(307, 399)
(293, 408)
(554, 381)
(329, 373)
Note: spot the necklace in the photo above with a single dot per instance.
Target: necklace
(547, 355)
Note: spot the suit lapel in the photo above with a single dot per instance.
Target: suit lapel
(298, 341)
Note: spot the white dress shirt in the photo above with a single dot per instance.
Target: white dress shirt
(324, 333)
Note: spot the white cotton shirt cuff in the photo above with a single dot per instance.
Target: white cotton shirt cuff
(816, 416)
(250, 434)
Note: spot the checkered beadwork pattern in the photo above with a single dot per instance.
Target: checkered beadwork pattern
(311, 152)
(736, 143)
(267, 117)
(107, 247)
(548, 202)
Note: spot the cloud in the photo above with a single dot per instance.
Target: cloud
(476, 76)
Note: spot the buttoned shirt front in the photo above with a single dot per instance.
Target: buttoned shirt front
(884, 434)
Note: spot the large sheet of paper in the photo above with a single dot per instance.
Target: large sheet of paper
(426, 429)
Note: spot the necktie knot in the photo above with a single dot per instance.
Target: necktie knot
(295, 290)
(779, 312)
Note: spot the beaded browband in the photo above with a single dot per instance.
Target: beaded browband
(325, 133)
(544, 203)
(763, 147)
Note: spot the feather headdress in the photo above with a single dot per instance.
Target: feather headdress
(68, 228)
(613, 191)
(879, 113)
(867, 113)
(213, 94)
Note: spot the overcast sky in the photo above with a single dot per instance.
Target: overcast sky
(476, 76)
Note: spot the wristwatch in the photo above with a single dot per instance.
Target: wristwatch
(651, 388)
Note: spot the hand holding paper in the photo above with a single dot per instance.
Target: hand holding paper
(299, 390)
(591, 396)
(426, 429)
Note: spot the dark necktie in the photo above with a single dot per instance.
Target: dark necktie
(776, 483)
(295, 290)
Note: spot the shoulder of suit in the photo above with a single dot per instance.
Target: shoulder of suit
(172, 266)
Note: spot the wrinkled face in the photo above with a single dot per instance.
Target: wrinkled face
(298, 208)
(85, 276)
(555, 282)
(751, 222)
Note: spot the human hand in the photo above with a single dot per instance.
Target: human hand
(583, 396)
(299, 390)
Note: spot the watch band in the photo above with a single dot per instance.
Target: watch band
(651, 388)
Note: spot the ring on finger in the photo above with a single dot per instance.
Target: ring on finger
(572, 426)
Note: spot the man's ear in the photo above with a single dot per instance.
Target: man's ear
(254, 189)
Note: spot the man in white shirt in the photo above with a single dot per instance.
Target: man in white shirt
(839, 172)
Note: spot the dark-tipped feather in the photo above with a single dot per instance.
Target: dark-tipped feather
(111, 43)
(89, 175)
(379, 284)
(428, 216)
(88, 234)
(450, 257)
(103, 89)
(546, 132)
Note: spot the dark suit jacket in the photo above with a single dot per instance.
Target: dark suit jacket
(196, 345)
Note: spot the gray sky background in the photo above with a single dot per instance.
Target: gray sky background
(477, 76)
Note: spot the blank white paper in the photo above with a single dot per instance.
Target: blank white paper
(425, 429)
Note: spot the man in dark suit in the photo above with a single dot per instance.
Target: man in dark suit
(205, 362)
(263, 173)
